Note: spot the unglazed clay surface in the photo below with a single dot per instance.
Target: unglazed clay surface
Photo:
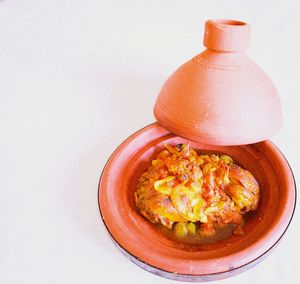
(145, 241)
(220, 97)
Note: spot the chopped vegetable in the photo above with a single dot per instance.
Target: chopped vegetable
(181, 229)
(164, 185)
(227, 159)
(191, 228)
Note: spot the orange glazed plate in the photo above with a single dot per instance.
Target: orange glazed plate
(146, 245)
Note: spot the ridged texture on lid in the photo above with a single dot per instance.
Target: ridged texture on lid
(220, 97)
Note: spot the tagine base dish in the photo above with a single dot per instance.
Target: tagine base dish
(144, 244)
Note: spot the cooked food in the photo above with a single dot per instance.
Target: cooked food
(199, 193)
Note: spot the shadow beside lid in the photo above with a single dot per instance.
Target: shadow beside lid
(220, 97)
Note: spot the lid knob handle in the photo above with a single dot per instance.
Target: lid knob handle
(227, 35)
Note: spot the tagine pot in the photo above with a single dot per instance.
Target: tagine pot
(218, 102)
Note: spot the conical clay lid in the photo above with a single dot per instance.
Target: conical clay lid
(220, 97)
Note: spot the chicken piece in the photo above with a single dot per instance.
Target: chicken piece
(243, 189)
(189, 203)
(154, 205)
(224, 212)
(158, 208)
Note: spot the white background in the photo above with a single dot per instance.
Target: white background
(76, 79)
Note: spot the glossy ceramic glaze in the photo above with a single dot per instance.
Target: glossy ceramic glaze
(147, 246)
(220, 97)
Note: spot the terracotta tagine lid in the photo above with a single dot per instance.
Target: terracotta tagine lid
(220, 97)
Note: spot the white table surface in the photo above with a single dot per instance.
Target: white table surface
(76, 79)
